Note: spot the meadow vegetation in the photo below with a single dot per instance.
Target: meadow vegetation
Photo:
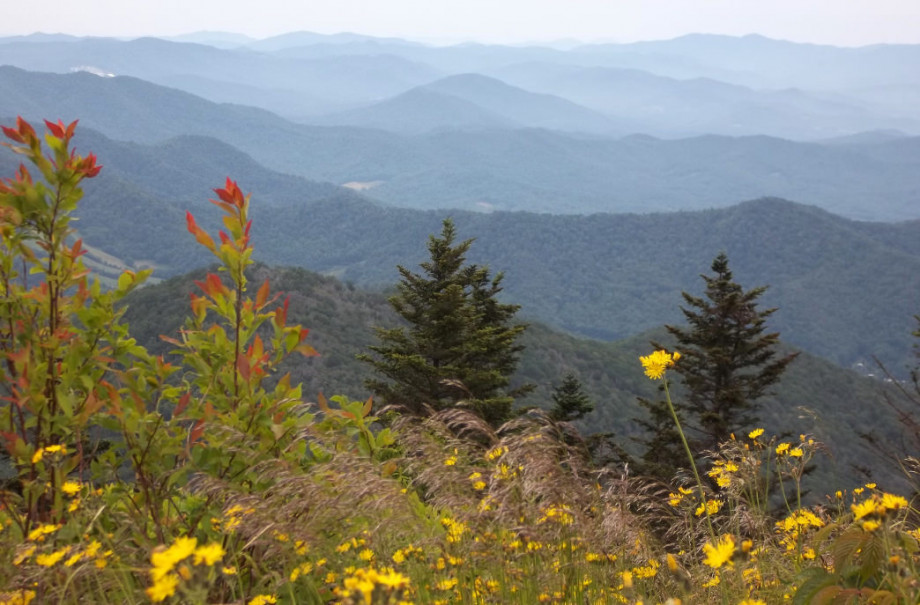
(213, 479)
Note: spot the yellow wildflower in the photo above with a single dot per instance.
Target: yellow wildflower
(208, 555)
(38, 534)
(672, 563)
(163, 588)
(262, 599)
(870, 525)
(782, 448)
(710, 508)
(71, 488)
(721, 553)
(92, 549)
(496, 452)
(20, 597)
(50, 560)
(893, 502)
(863, 509)
(164, 560)
(301, 570)
(755, 434)
(392, 579)
(656, 363)
(73, 560)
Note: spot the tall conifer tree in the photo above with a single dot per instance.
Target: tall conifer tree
(728, 360)
(459, 346)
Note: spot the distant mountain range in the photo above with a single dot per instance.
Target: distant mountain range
(475, 102)
(684, 87)
(495, 169)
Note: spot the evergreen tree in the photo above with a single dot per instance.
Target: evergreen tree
(459, 345)
(728, 361)
(569, 400)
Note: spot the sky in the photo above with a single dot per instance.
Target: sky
(838, 22)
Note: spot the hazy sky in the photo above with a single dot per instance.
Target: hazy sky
(841, 22)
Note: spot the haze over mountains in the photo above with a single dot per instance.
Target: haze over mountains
(697, 84)
(355, 148)
(499, 169)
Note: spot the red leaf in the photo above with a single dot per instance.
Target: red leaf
(183, 403)
(12, 134)
(281, 314)
(56, 129)
(203, 238)
(90, 406)
(262, 295)
(77, 249)
(24, 176)
(88, 166)
(307, 351)
(195, 434)
(9, 441)
(242, 364)
(199, 305)
(231, 194)
(25, 129)
(215, 286)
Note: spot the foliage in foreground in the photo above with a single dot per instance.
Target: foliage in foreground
(212, 480)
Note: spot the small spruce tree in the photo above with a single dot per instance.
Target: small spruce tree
(569, 400)
(459, 347)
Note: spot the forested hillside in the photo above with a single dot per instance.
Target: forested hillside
(815, 396)
(609, 276)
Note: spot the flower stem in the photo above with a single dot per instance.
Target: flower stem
(696, 474)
